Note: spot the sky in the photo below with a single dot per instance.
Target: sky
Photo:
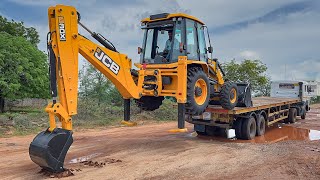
(283, 34)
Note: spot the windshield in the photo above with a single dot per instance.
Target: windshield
(162, 44)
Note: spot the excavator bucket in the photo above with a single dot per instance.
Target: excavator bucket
(244, 97)
(49, 149)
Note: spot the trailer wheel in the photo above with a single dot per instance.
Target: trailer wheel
(229, 95)
(261, 126)
(249, 128)
(238, 128)
(292, 115)
(215, 131)
(201, 133)
(198, 91)
(149, 103)
(304, 114)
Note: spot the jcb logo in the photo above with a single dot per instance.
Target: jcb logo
(106, 60)
(62, 29)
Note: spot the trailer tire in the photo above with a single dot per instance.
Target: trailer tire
(229, 95)
(304, 113)
(249, 128)
(149, 103)
(238, 128)
(198, 91)
(292, 115)
(261, 125)
(201, 133)
(215, 131)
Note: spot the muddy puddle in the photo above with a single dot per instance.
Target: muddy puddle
(84, 158)
(273, 134)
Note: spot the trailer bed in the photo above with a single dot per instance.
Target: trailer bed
(258, 104)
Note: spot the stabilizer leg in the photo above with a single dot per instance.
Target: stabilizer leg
(181, 119)
(126, 114)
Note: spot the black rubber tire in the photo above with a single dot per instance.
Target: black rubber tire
(304, 114)
(225, 99)
(238, 128)
(261, 126)
(249, 128)
(195, 73)
(149, 103)
(292, 115)
(201, 133)
(214, 131)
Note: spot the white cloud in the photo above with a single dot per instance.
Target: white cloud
(249, 55)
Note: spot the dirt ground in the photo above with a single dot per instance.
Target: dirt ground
(151, 152)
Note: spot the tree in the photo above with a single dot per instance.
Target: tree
(18, 29)
(23, 69)
(95, 86)
(251, 71)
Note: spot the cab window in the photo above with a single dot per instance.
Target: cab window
(191, 36)
(202, 43)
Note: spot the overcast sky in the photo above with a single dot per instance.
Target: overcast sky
(283, 34)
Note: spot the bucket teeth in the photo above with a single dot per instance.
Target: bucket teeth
(49, 149)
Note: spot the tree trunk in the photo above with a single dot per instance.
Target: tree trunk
(1, 104)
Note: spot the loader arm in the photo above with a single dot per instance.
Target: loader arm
(49, 148)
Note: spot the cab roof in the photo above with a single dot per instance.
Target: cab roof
(167, 16)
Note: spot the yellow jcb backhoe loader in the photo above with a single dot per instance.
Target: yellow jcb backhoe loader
(174, 62)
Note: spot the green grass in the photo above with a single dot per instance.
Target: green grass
(26, 121)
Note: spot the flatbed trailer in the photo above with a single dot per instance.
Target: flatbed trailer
(249, 122)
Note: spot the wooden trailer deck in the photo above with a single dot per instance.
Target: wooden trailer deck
(258, 104)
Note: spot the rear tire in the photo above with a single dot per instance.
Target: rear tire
(198, 93)
(292, 115)
(261, 126)
(304, 114)
(249, 128)
(229, 95)
(201, 133)
(149, 103)
(238, 128)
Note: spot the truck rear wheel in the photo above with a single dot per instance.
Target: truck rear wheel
(149, 103)
(198, 93)
(229, 95)
(261, 126)
(304, 113)
(292, 115)
(238, 128)
(249, 128)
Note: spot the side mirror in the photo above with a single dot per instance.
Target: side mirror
(210, 49)
(139, 50)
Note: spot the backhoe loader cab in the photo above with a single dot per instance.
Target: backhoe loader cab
(168, 36)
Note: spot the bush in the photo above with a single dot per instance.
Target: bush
(315, 100)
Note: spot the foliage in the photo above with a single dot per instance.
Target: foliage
(250, 71)
(18, 29)
(315, 100)
(94, 86)
(24, 70)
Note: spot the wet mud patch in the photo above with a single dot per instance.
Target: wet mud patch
(100, 164)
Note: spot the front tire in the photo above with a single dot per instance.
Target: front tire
(149, 103)
(229, 95)
(198, 93)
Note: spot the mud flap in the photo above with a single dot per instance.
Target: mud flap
(49, 149)
(244, 95)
